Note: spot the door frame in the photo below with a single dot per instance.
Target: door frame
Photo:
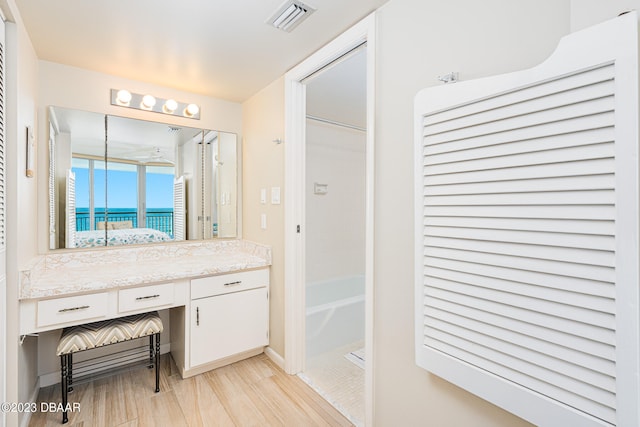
(294, 204)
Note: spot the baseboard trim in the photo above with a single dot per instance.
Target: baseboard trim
(45, 380)
(275, 357)
(200, 369)
(26, 416)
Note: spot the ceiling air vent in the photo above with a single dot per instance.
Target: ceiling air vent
(290, 14)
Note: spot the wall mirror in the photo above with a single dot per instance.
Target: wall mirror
(119, 181)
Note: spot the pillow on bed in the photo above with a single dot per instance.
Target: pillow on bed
(115, 225)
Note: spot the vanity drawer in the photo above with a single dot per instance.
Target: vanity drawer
(226, 283)
(72, 309)
(145, 297)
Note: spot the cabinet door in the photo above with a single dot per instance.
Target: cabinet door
(228, 324)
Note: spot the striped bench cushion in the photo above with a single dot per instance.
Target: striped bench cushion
(97, 334)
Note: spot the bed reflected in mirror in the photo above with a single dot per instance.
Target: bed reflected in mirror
(119, 181)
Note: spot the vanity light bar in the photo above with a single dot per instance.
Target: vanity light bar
(124, 98)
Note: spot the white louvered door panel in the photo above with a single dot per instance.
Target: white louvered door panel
(70, 213)
(527, 233)
(2, 147)
(179, 206)
(53, 197)
(3, 214)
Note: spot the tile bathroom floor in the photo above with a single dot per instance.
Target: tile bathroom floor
(338, 380)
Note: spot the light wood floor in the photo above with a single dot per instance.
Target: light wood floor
(253, 392)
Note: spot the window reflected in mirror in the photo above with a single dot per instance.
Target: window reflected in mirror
(90, 176)
(159, 198)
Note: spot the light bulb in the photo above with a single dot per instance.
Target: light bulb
(170, 106)
(123, 97)
(148, 102)
(191, 110)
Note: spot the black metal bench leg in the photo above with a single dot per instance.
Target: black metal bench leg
(157, 363)
(64, 378)
(151, 348)
(70, 372)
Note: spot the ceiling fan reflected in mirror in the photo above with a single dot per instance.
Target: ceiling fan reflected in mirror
(152, 155)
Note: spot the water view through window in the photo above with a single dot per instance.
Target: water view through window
(114, 196)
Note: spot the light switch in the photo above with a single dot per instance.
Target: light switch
(263, 221)
(263, 196)
(275, 195)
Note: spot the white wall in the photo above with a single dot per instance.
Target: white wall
(417, 40)
(334, 221)
(263, 167)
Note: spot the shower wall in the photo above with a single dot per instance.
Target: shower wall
(335, 220)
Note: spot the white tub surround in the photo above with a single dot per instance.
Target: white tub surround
(76, 272)
(334, 314)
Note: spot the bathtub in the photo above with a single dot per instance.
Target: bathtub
(334, 314)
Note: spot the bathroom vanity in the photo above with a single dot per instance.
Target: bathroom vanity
(226, 319)
(217, 293)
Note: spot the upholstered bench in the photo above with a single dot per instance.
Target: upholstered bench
(99, 334)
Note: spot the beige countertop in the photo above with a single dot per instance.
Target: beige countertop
(81, 271)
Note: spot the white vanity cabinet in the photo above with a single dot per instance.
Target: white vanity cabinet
(228, 319)
(215, 293)
(228, 324)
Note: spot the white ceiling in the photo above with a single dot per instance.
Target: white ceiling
(219, 48)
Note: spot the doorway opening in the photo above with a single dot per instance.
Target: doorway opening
(329, 260)
(335, 206)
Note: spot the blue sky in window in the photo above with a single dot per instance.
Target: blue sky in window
(123, 189)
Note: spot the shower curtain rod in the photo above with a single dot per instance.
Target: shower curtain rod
(332, 122)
